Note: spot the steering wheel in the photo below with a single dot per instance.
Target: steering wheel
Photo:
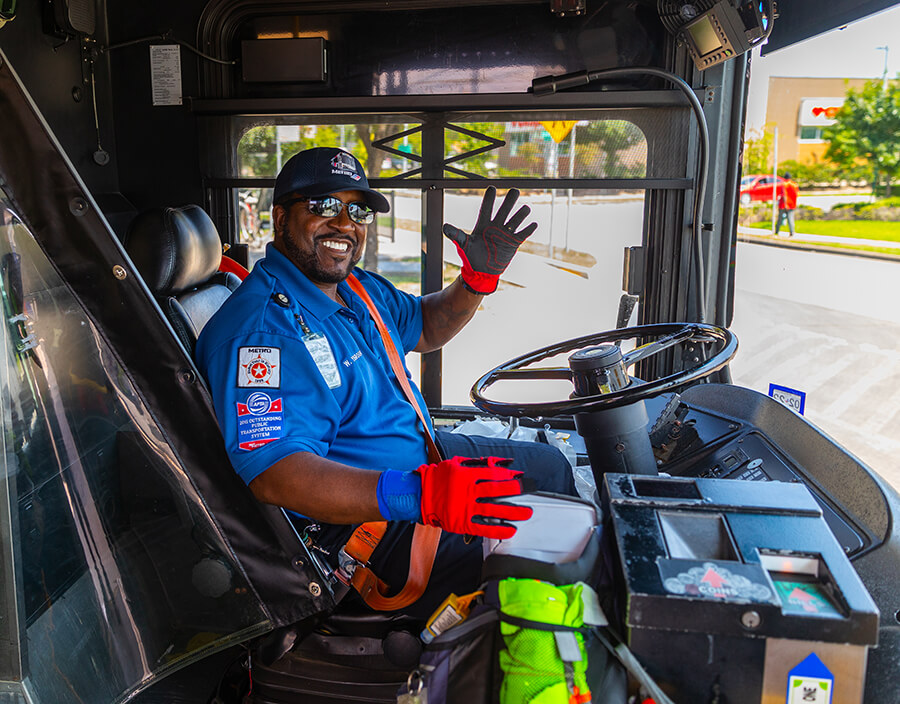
(668, 334)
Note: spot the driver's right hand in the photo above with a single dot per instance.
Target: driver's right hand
(457, 495)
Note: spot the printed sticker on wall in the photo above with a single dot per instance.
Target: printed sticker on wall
(810, 682)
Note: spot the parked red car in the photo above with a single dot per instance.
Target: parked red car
(758, 188)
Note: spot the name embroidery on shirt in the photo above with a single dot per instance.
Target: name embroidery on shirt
(353, 358)
(259, 367)
(260, 421)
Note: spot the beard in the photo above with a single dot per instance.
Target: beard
(308, 262)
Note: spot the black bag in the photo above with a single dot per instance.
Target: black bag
(460, 665)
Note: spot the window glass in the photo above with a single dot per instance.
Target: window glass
(264, 148)
(602, 149)
(566, 281)
(117, 571)
(811, 133)
(817, 311)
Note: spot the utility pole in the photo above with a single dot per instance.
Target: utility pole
(884, 74)
(775, 180)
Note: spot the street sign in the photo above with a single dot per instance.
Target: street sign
(559, 129)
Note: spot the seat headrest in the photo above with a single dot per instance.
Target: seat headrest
(174, 249)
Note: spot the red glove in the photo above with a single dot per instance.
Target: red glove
(456, 496)
(489, 249)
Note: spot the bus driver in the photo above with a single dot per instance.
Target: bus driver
(313, 416)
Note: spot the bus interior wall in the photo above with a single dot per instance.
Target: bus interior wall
(133, 155)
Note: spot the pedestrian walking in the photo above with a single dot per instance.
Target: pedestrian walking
(787, 203)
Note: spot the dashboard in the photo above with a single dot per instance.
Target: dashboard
(728, 432)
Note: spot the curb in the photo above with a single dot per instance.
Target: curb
(811, 247)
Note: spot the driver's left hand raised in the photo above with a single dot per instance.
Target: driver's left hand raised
(488, 250)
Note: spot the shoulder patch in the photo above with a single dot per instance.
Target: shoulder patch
(259, 367)
(259, 421)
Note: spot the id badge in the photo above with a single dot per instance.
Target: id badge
(320, 350)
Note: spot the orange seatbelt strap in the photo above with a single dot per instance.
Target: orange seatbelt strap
(366, 538)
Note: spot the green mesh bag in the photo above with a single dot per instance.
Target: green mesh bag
(535, 670)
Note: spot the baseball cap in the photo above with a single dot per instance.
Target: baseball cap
(322, 171)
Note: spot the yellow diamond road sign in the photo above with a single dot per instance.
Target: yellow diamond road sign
(559, 130)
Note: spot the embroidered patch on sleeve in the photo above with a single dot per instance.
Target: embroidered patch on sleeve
(259, 367)
(260, 421)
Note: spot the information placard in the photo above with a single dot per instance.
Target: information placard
(165, 74)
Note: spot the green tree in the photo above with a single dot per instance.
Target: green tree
(372, 160)
(757, 157)
(867, 132)
(256, 152)
(602, 142)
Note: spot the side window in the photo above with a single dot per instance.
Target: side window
(106, 545)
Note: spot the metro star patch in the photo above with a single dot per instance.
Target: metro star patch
(260, 421)
(259, 367)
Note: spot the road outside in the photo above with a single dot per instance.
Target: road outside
(826, 324)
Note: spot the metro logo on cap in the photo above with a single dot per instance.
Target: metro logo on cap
(344, 165)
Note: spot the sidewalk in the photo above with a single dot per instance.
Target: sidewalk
(803, 241)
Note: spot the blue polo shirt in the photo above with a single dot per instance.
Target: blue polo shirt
(290, 371)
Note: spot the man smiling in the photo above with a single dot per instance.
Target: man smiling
(313, 410)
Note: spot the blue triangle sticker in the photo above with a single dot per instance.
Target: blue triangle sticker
(810, 682)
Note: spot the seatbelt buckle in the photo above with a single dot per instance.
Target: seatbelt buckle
(346, 567)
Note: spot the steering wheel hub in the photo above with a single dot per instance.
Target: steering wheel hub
(598, 370)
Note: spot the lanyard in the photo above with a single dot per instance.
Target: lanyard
(366, 538)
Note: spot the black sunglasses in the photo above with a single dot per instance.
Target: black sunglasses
(330, 207)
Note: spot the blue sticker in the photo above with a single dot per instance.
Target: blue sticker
(260, 421)
(793, 399)
(810, 681)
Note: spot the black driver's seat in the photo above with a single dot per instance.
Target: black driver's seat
(178, 252)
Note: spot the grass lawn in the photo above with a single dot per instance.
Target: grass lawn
(852, 229)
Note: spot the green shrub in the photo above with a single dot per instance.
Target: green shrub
(754, 213)
(808, 212)
(886, 209)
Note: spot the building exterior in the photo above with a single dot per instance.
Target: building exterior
(801, 108)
